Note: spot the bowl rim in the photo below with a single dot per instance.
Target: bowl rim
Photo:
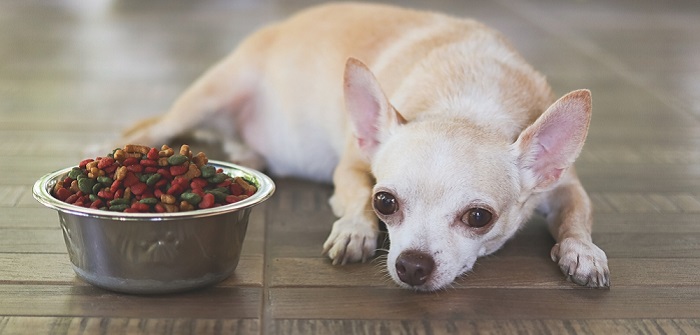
(265, 185)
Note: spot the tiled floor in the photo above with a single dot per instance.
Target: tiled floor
(74, 72)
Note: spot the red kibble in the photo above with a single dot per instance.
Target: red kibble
(232, 198)
(249, 192)
(130, 179)
(63, 194)
(140, 207)
(110, 169)
(158, 193)
(198, 183)
(175, 189)
(224, 183)
(119, 193)
(130, 161)
(72, 198)
(150, 169)
(159, 208)
(135, 168)
(207, 201)
(96, 204)
(153, 154)
(165, 173)
(138, 188)
(105, 162)
(236, 189)
(177, 170)
(85, 162)
(181, 181)
(105, 194)
(148, 162)
(115, 185)
(160, 183)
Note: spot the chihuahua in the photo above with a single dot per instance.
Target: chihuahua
(433, 124)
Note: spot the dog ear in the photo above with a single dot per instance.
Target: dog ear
(551, 145)
(371, 115)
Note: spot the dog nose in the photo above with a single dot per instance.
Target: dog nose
(414, 267)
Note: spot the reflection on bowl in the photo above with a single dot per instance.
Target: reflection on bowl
(153, 252)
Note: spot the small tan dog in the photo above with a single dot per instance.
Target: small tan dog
(446, 134)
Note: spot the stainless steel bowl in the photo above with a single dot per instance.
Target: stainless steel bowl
(147, 253)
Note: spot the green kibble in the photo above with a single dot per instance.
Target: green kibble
(86, 185)
(149, 201)
(104, 180)
(217, 178)
(208, 171)
(93, 197)
(143, 177)
(224, 190)
(97, 188)
(192, 198)
(218, 195)
(75, 172)
(118, 208)
(119, 202)
(153, 179)
(177, 159)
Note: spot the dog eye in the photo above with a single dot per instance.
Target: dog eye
(477, 217)
(385, 203)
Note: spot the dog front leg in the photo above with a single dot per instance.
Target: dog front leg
(570, 220)
(354, 235)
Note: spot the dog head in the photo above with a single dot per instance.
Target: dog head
(448, 190)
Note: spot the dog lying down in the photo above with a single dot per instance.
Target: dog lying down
(433, 124)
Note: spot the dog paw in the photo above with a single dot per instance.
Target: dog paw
(351, 240)
(582, 262)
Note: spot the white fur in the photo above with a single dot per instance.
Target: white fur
(438, 111)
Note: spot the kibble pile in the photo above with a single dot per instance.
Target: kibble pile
(140, 179)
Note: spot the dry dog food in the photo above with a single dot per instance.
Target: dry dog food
(140, 179)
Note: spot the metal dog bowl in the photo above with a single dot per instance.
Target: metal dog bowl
(146, 253)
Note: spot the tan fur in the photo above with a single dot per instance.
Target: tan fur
(428, 103)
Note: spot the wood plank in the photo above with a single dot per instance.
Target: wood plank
(14, 325)
(90, 301)
(484, 303)
(524, 327)
(489, 272)
(28, 218)
(56, 269)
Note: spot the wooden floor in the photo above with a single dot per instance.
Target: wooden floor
(76, 72)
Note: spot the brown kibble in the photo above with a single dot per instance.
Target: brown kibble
(192, 172)
(163, 161)
(186, 206)
(120, 174)
(74, 186)
(200, 159)
(185, 151)
(91, 165)
(244, 184)
(167, 199)
(134, 148)
(119, 155)
(166, 151)
(170, 208)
